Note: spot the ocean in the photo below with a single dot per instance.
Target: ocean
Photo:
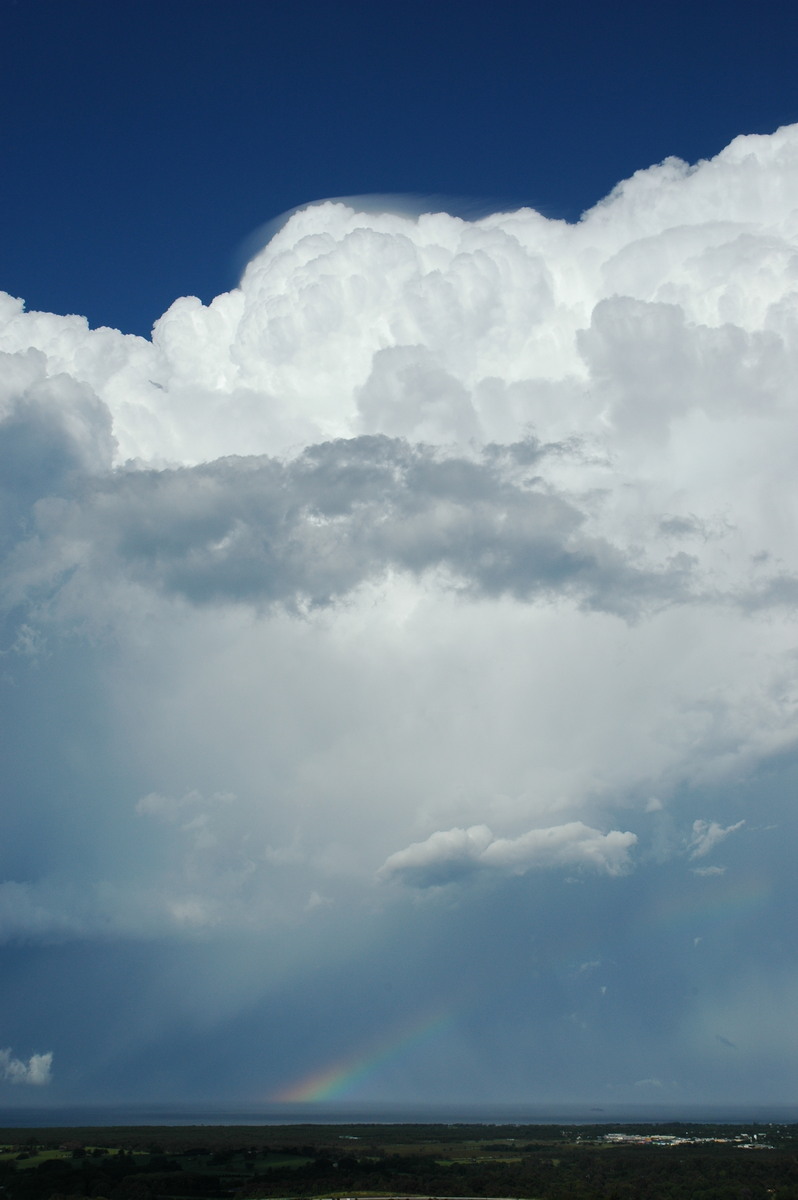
(431, 1114)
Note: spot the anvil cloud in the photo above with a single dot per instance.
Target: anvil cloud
(441, 573)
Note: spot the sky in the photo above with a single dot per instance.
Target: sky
(397, 613)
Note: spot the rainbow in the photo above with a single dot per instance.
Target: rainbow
(343, 1076)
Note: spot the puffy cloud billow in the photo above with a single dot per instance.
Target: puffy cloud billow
(37, 1070)
(438, 551)
(447, 856)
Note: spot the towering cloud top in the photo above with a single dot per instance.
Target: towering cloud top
(645, 355)
(443, 330)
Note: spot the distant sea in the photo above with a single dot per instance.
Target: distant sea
(432, 1114)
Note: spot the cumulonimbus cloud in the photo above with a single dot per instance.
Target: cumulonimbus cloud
(567, 449)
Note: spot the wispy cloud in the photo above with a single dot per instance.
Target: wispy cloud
(707, 834)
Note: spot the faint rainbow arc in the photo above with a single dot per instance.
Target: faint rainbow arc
(339, 1078)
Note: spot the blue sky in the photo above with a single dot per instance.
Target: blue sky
(146, 142)
(397, 643)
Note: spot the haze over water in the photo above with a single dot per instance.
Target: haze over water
(341, 1114)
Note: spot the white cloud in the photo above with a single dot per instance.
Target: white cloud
(36, 1071)
(446, 857)
(435, 328)
(707, 835)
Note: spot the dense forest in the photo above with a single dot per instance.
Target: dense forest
(526, 1162)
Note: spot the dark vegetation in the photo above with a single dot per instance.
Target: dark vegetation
(533, 1162)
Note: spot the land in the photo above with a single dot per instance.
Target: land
(522, 1162)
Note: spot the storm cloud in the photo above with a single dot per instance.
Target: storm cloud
(443, 569)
